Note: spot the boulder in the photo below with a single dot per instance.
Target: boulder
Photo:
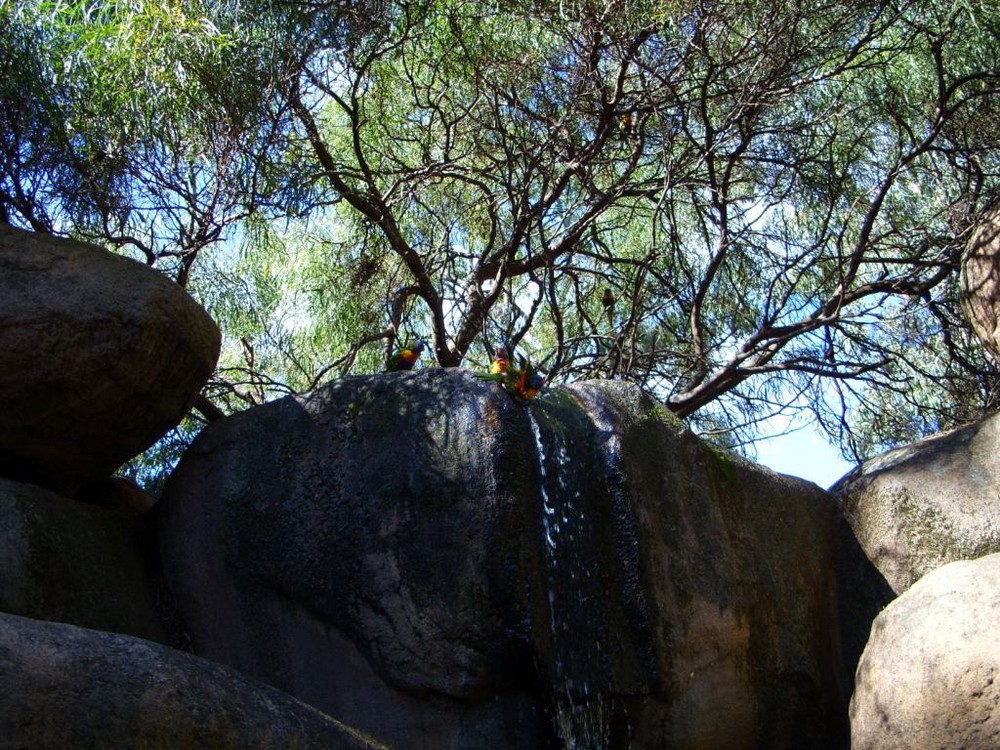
(924, 505)
(930, 675)
(70, 562)
(69, 687)
(361, 548)
(980, 281)
(441, 565)
(99, 357)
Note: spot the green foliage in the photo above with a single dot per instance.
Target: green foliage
(151, 469)
(777, 193)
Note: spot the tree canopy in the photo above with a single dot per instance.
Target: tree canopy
(775, 193)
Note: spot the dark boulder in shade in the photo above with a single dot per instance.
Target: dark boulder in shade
(99, 357)
(441, 565)
(69, 687)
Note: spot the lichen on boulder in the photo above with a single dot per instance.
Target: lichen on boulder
(921, 506)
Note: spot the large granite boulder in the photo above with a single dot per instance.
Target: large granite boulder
(99, 357)
(440, 565)
(930, 675)
(76, 563)
(980, 281)
(921, 506)
(69, 687)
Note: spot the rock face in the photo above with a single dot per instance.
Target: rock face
(927, 504)
(980, 281)
(99, 357)
(862, 591)
(67, 687)
(70, 562)
(441, 566)
(930, 675)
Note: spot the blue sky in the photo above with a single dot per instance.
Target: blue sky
(803, 453)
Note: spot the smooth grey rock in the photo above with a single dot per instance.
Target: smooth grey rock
(71, 562)
(922, 506)
(442, 566)
(69, 687)
(99, 357)
(930, 674)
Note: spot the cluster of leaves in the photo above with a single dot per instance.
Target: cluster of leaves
(776, 193)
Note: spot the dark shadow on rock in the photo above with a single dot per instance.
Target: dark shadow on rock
(71, 562)
(863, 592)
(372, 535)
(70, 687)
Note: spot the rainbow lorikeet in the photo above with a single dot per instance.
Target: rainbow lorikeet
(524, 382)
(500, 361)
(627, 122)
(608, 302)
(529, 382)
(406, 357)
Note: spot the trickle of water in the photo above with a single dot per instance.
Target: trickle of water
(547, 506)
(581, 712)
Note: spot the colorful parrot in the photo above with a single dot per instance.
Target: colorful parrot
(529, 381)
(627, 122)
(523, 382)
(406, 357)
(608, 301)
(500, 361)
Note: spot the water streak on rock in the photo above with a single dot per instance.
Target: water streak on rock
(580, 710)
